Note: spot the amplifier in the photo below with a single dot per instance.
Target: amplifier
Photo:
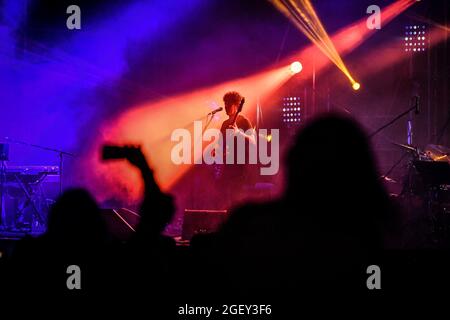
(202, 221)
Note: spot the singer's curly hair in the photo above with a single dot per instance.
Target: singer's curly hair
(230, 98)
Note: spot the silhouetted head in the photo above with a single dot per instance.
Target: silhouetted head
(332, 175)
(232, 101)
(331, 153)
(76, 218)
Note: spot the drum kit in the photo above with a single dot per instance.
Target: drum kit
(432, 163)
(438, 153)
(428, 177)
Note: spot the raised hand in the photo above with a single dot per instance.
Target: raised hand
(135, 156)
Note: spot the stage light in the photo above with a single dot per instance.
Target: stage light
(356, 86)
(296, 67)
(415, 41)
(291, 112)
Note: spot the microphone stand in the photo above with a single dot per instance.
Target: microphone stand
(61, 154)
(208, 119)
(409, 138)
(401, 115)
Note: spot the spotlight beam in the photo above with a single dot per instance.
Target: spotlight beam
(429, 21)
(346, 40)
(303, 15)
(385, 56)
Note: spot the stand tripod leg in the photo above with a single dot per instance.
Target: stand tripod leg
(2, 185)
(29, 201)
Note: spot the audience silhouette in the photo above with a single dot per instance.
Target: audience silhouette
(148, 258)
(76, 235)
(334, 220)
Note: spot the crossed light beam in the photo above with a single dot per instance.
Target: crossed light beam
(430, 22)
(304, 17)
(387, 55)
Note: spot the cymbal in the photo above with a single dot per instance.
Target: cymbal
(438, 152)
(406, 146)
(442, 149)
(414, 150)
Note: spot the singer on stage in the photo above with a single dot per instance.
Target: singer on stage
(235, 176)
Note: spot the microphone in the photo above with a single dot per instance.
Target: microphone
(215, 111)
(416, 105)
